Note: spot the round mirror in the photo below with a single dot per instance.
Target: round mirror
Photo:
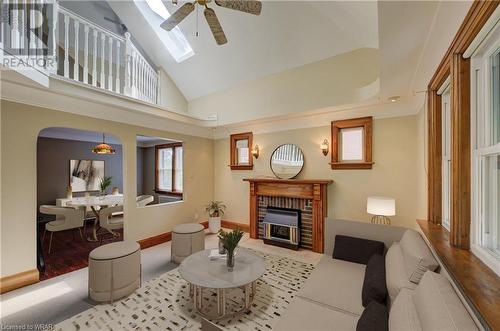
(287, 161)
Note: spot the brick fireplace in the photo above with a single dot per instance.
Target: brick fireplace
(309, 196)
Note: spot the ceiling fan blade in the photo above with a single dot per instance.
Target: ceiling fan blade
(247, 6)
(213, 23)
(178, 16)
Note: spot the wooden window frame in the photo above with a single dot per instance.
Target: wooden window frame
(233, 156)
(157, 189)
(363, 122)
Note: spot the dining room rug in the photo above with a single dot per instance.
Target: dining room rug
(164, 303)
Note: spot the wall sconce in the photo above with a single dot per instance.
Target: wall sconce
(255, 151)
(325, 147)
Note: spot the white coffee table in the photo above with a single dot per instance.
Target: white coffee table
(202, 273)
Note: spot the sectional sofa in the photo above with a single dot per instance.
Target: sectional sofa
(419, 296)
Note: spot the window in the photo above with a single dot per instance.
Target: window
(446, 155)
(240, 154)
(352, 144)
(485, 114)
(169, 168)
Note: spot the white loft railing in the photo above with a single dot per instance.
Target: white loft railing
(79, 49)
(104, 59)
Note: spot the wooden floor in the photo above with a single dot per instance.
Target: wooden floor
(69, 252)
(479, 284)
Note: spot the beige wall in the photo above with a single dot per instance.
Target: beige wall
(339, 80)
(422, 164)
(394, 173)
(20, 125)
(170, 96)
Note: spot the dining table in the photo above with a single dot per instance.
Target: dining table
(95, 203)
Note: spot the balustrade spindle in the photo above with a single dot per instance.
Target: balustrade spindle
(103, 59)
(66, 46)
(110, 64)
(94, 58)
(86, 54)
(76, 65)
(118, 55)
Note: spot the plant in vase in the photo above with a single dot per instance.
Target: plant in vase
(104, 184)
(230, 241)
(215, 210)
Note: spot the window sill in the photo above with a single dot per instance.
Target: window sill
(169, 193)
(478, 283)
(352, 165)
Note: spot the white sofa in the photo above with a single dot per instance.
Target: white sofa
(419, 299)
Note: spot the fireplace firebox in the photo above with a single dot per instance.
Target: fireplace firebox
(282, 227)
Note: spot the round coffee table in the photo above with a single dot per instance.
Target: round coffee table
(202, 273)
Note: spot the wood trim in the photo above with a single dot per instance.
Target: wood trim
(161, 238)
(288, 181)
(336, 126)
(434, 211)
(233, 162)
(235, 225)
(478, 283)
(25, 278)
(453, 64)
(460, 197)
(163, 146)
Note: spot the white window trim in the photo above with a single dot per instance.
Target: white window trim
(480, 103)
(444, 91)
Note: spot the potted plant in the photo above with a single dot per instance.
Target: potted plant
(215, 210)
(104, 184)
(230, 241)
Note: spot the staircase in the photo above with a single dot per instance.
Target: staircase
(76, 49)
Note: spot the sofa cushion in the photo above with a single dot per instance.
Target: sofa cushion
(375, 317)
(356, 250)
(403, 315)
(374, 288)
(438, 306)
(303, 314)
(395, 272)
(337, 284)
(417, 256)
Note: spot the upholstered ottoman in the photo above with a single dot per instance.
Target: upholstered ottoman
(187, 239)
(114, 270)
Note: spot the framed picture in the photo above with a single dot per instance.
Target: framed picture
(85, 175)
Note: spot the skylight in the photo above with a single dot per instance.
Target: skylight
(175, 41)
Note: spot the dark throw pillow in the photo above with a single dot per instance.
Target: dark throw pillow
(374, 285)
(375, 317)
(356, 250)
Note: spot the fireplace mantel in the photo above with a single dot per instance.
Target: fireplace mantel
(313, 189)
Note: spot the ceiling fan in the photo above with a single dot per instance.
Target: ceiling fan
(247, 6)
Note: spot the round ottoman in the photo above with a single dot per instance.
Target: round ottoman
(114, 270)
(187, 239)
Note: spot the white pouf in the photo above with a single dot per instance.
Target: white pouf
(187, 239)
(114, 271)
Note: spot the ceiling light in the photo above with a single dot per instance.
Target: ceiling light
(103, 148)
(394, 98)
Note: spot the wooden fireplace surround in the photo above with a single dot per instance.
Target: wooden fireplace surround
(314, 189)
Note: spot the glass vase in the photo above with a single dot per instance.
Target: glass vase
(102, 195)
(230, 260)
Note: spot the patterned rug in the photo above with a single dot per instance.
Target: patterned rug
(164, 303)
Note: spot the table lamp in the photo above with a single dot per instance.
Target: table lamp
(381, 208)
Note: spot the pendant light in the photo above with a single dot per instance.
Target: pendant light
(103, 148)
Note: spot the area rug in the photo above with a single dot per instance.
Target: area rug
(164, 303)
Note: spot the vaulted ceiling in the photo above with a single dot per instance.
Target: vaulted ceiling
(286, 35)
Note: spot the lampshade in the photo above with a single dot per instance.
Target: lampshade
(103, 148)
(381, 206)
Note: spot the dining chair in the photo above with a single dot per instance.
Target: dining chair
(143, 200)
(111, 218)
(67, 218)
